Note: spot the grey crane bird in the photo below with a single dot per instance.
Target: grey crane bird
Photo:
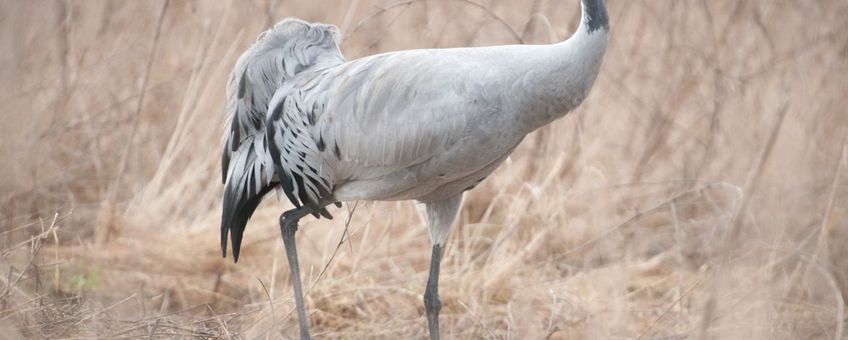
(423, 125)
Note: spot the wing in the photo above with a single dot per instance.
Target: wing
(399, 110)
(376, 116)
(306, 177)
(278, 56)
(381, 115)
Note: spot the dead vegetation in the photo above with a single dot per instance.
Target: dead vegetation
(699, 193)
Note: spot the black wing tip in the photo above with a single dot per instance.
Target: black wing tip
(224, 232)
(235, 239)
(326, 214)
(235, 256)
(237, 211)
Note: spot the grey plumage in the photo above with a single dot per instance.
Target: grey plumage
(424, 125)
(248, 169)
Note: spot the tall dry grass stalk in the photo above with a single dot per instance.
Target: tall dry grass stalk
(699, 192)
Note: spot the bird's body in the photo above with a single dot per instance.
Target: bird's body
(430, 124)
(421, 125)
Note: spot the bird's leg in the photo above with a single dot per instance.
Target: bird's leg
(288, 226)
(440, 216)
(432, 302)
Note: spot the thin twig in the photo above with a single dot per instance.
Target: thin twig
(122, 164)
(668, 309)
(221, 323)
(732, 235)
(92, 315)
(478, 319)
(348, 18)
(824, 229)
(376, 14)
(342, 240)
(37, 243)
(497, 18)
(270, 300)
(634, 218)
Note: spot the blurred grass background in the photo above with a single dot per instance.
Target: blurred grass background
(700, 192)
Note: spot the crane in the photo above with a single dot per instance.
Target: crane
(424, 125)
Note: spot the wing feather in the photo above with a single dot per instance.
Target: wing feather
(296, 152)
(382, 113)
(400, 118)
(278, 56)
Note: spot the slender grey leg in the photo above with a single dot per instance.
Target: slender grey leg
(432, 303)
(288, 226)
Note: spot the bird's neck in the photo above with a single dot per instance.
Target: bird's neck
(556, 78)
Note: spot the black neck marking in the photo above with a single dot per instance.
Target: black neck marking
(596, 15)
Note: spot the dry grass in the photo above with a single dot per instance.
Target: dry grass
(701, 192)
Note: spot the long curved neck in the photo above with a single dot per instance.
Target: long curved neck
(556, 78)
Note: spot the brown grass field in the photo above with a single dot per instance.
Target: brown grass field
(700, 192)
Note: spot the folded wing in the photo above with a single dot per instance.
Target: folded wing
(248, 170)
